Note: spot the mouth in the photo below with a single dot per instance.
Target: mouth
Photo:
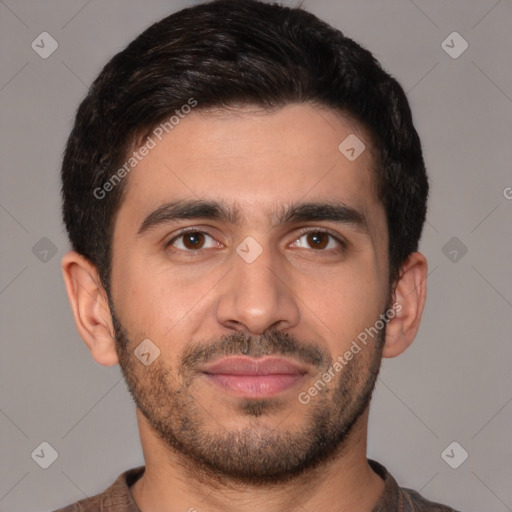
(254, 378)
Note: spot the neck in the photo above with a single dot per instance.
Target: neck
(344, 482)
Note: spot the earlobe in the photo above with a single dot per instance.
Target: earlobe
(89, 305)
(410, 294)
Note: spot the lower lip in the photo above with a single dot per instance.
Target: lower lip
(255, 386)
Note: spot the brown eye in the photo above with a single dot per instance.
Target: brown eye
(193, 240)
(321, 241)
(318, 240)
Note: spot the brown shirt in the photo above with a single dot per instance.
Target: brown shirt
(117, 498)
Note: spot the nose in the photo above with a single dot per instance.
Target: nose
(257, 296)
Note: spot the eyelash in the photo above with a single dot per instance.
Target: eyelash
(305, 231)
(335, 236)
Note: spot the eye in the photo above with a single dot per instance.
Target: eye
(193, 241)
(318, 240)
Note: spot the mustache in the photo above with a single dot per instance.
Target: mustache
(271, 343)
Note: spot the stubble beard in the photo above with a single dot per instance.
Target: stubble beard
(254, 454)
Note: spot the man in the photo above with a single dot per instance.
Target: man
(244, 192)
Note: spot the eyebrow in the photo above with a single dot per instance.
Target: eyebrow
(337, 212)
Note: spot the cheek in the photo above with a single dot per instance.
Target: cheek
(162, 303)
(342, 303)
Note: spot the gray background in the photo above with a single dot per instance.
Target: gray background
(453, 384)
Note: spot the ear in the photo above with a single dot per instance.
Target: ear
(409, 295)
(89, 304)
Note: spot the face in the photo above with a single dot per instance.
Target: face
(251, 253)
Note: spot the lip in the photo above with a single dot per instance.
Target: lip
(254, 378)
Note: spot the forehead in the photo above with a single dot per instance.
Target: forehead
(258, 160)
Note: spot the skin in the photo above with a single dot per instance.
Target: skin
(322, 298)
